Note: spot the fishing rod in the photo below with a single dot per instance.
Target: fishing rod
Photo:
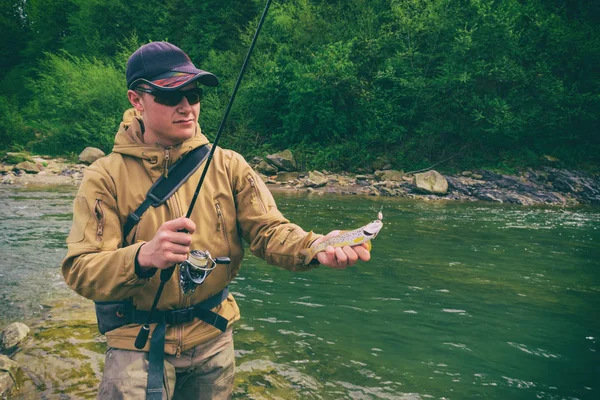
(165, 274)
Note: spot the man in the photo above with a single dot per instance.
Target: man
(110, 268)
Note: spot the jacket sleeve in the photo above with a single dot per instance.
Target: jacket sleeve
(270, 235)
(96, 265)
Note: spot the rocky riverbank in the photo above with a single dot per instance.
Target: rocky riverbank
(547, 185)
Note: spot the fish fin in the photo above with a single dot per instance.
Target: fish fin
(369, 245)
(308, 255)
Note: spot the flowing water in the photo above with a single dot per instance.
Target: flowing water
(460, 300)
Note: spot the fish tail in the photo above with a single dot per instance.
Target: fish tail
(308, 255)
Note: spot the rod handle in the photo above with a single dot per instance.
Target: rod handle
(142, 337)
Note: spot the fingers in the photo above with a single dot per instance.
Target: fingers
(180, 224)
(343, 257)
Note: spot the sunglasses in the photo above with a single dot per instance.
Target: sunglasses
(171, 99)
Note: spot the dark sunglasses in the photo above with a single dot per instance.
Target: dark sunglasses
(171, 99)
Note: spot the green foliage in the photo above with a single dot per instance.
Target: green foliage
(15, 158)
(344, 84)
(78, 102)
(13, 129)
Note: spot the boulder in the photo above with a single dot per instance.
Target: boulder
(90, 154)
(9, 371)
(389, 175)
(315, 179)
(431, 182)
(28, 167)
(12, 336)
(283, 160)
(287, 176)
(266, 168)
(8, 179)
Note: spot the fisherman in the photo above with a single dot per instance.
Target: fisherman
(113, 269)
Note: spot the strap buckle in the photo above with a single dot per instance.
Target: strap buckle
(177, 317)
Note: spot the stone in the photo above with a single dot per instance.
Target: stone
(266, 168)
(28, 167)
(431, 182)
(13, 335)
(90, 154)
(9, 371)
(316, 179)
(283, 160)
(388, 175)
(8, 179)
(287, 176)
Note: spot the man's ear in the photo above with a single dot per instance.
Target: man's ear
(135, 99)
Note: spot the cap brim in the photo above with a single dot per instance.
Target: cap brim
(178, 80)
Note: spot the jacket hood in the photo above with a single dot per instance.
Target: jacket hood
(130, 140)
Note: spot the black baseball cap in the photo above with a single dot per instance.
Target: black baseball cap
(164, 66)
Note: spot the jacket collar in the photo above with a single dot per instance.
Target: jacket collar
(130, 141)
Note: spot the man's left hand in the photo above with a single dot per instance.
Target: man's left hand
(341, 257)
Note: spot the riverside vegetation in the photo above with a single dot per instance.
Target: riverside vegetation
(477, 84)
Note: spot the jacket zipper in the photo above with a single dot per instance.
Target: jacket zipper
(100, 219)
(166, 163)
(221, 223)
(257, 194)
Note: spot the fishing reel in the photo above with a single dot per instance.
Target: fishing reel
(195, 270)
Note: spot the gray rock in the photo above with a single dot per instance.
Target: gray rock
(287, 176)
(389, 175)
(266, 168)
(457, 185)
(28, 167)
(8, 179)
(13, 335)
(8, 375)
(90, 154)
(283, 160)
(431, 182)
(315, 179)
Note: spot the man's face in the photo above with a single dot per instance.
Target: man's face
(167, 124)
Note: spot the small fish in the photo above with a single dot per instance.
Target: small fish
(351, 238)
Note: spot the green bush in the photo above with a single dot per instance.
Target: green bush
(78, 102)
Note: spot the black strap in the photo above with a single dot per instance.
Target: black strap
(156, 357)
(164, 188)
(202, 311)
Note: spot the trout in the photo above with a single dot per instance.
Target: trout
(364, 234)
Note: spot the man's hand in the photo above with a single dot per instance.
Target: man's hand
(169, 246)
(341, 257)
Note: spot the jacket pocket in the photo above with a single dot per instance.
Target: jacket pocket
(256, 194)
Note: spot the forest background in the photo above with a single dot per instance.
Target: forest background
(350, 85)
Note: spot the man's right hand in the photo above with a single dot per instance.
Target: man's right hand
(169, 246)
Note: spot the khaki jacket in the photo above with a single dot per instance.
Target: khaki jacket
(233, 204)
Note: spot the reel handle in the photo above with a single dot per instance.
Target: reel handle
(142, 337)
(222, 260)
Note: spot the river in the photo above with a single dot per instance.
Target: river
(460, 300)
